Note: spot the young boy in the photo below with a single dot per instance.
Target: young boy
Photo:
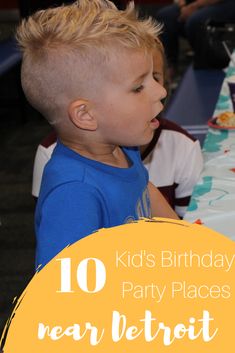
(173, 157)
(87, 68)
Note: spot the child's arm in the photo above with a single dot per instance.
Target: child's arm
(159, 205)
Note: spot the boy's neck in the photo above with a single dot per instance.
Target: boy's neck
(104, 153)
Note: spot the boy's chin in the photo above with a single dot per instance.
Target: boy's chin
(148, 138)
(143, 141)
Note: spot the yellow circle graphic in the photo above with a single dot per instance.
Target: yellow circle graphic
(152, 286)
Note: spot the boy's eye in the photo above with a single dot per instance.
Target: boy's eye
(138, 89)
(157, 77)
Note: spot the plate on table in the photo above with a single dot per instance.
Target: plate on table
(212, 123)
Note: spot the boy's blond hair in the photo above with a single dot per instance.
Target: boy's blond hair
(64, 47)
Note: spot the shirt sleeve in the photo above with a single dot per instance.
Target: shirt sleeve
(41, 158)
(69, 213)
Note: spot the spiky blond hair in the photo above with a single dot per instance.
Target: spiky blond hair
(70, 43)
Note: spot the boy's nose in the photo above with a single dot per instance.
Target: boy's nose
(163, 92)
(159, 92)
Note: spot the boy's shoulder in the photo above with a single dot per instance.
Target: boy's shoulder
(64, 163)
(67, 166)
(66, 160)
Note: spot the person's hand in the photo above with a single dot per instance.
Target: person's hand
(186, 12)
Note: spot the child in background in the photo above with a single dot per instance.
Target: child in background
(173, 157)
(87, 67)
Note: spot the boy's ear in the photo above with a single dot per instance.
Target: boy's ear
(80, 116)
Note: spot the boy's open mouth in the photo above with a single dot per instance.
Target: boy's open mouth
(154, 123)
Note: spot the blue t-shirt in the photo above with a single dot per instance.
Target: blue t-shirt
(79, 196)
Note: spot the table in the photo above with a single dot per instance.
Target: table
(213, 198)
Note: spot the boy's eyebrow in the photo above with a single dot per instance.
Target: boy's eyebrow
(141, 77)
